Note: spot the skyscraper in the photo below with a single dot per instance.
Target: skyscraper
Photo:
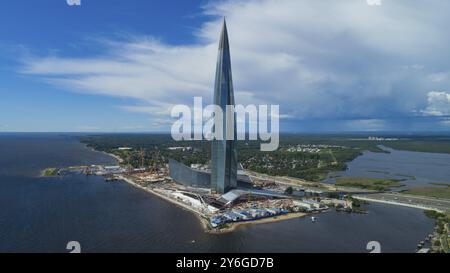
(224, 152)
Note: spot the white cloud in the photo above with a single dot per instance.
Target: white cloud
(316, 59)
(142, 69)
(439, 77)
(438, 104)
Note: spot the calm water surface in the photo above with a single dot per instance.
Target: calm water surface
(42, 214)
(415, 168)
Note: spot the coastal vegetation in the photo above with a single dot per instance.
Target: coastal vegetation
(434, 214)
(434, 144)
(441, 184)
(289, 190)
(356, 202)
(441, 240)
(149, 149)
(437, 192)
(50, 172)
(356, 206)
(367, 183)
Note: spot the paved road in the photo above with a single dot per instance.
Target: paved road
(309, 185)
(408, 200)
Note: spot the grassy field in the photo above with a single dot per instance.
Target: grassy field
(438, 192)
(368, 183)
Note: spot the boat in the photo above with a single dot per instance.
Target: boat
(110, 178)
(313, 219)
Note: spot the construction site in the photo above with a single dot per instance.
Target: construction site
(241, 204)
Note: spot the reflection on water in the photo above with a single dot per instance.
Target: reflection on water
(41, 214)
(415, 168)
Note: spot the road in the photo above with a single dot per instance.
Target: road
(393, 198)
(421, 202)
(308, 185)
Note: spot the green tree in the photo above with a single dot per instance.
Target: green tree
(289, 190)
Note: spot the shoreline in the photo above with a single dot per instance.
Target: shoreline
(204, 222)
(116, 157)
(236, 225)
(198, 214)
(421, 207)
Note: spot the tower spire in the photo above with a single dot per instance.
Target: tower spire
(224, 151)
(223, 43)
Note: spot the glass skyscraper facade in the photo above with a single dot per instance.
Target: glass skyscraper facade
(224, 152)
(182, 174)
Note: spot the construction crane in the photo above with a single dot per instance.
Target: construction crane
(142, 155)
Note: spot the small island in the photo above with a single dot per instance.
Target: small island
(376, 184)
(49, 172)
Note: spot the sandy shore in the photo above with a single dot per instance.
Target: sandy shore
(118, 158)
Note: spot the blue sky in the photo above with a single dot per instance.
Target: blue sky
(119, 66)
